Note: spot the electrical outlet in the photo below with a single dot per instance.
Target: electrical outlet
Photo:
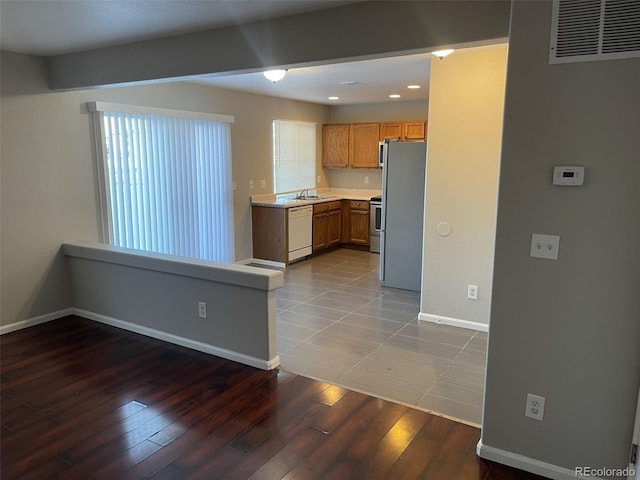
(535, 407)
(202, 310)
(472, 292)
(234, 185)
(366, 179)
(319, 179)
(263, 183)
(251, 184)
(545, 246)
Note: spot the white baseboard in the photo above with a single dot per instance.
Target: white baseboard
(260, 261)
(30, 322)
(527, 464)
(454, 322)
(182, 341)
(149, 332)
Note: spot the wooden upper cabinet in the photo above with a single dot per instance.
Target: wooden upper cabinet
(414, 130)
(335, 145)
(363, 145)
(390, 130)
(356, 145)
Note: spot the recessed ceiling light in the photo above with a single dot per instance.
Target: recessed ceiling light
(334, 98)
(394, 95)
(413, 87)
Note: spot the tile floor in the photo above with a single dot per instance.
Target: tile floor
(336, 323)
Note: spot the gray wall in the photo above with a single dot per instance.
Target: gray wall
(162, 292)
(568, 330)
(352, 31)
(48, 187)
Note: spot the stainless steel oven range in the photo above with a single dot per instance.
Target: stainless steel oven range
(375, 219)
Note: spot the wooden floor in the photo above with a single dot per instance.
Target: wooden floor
(83, 400)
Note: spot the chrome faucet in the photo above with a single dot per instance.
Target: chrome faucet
(303, 194)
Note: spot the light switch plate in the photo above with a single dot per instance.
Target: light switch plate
(545, 246)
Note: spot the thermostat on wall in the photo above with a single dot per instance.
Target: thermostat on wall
(572, 176)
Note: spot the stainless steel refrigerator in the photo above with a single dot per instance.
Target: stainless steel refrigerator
(403, 199)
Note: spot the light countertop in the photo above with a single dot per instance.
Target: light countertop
(287, 200)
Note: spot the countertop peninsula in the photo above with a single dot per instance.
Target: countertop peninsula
(288, 200)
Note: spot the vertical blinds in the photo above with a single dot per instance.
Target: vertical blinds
(294, 155)
(168, 184)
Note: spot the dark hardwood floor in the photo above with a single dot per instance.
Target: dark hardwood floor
(82, 400)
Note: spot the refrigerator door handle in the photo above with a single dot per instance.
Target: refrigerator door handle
(381, 268)
(383, 212)
(383, 216)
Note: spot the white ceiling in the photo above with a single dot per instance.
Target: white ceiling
(53, 27)
(366, 81)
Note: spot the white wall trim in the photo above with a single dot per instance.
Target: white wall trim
(260, 261)
(30, 322)
(246, 261)
(527, 464)
(454, 322)
(182, 341)
(229, 273)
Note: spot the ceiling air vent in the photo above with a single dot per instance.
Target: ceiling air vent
(589, 30)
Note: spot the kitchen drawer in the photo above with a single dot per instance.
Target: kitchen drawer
(358, 205)
(327, 206)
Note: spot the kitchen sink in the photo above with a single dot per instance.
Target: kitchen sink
(316, 197)
(305, 196)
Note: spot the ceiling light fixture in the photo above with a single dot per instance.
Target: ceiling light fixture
(394, 95)
(413, 87)
(442, 53)
(334, 98)
(274, 75)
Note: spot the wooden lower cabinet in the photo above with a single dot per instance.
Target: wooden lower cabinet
(320, 231)
(269, 226)
(334, 236)
(327, 225)
(356, 222)
(334, 223)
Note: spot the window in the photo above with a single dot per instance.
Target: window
(294, 156)
(165, 180)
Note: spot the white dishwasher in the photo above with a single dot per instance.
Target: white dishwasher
(300, 232)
